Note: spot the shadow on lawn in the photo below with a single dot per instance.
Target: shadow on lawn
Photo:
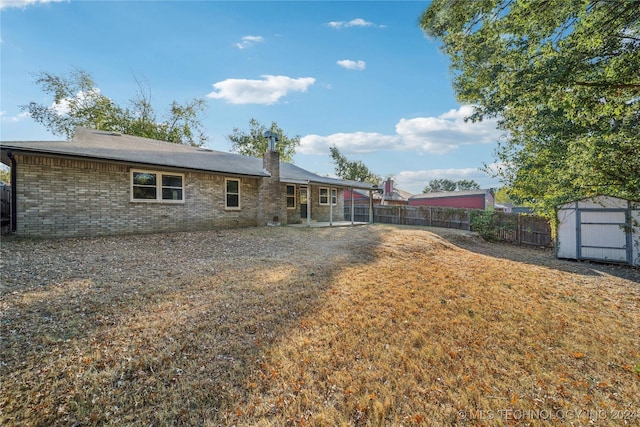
(539, 256)
(92, 340)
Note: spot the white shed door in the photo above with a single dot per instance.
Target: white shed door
(602, 235)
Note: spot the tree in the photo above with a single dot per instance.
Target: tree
(5, 174)
(449, 185)
(352, 170)
(77, 101)
(563, 79)
(440, 185)
(502, 196)
(254, 144)
(465, 184)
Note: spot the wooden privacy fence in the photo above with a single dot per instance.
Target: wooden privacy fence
(514, 228)
(520, 229)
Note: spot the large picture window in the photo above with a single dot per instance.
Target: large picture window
(154, 186)
(232, 193)
(291, 196)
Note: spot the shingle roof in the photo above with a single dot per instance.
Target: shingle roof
(105, 145)
(294, 174)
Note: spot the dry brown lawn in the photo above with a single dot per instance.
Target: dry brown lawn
(364, 326)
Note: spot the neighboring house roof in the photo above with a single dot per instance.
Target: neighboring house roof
(112, 146)
(445, 194)
(365, 194)
(398, 195)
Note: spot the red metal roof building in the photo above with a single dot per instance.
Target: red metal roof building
(468, 199)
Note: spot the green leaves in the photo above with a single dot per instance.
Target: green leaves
(449, 185)
(352, 170)
(563, 77)
(253, 143)
(77, 101)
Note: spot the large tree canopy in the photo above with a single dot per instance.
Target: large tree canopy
(563, 77)
(77, 101)
(353, 170)
(253, 142)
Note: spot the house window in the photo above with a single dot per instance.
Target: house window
(154, 186)
(232, 193)
(324, 196)
(291, 196)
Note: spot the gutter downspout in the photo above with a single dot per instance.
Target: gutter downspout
(14, 195)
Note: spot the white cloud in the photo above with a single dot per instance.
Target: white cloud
(249, 41)
(358, 142)
(17, 118)
(266, 91)
(427, 175)
(63, 107)
(352, 65)
(358, 22)
(24, 3)
(436, 135)
(446, 132)
(415, 181)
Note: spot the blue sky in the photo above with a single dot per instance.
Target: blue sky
(358, 75)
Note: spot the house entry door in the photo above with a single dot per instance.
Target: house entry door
(303, 203)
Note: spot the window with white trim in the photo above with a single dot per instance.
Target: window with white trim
(232, 193)
(291, 196)
(155, 186)
(324, 196)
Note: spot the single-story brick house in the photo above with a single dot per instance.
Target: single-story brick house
(104, 182)
(468, 199)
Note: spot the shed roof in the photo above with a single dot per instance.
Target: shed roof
(112, 146)
(600, 199)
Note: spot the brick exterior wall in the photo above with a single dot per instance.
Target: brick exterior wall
(61, 197)
(320, 212)
(272, 200)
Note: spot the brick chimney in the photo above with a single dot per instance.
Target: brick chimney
(388, 187)
(272, 203)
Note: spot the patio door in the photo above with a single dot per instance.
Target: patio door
(304, 203)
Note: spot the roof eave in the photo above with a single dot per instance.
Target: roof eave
(30, 150)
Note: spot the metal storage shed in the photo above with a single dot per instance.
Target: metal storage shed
(601, 228)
